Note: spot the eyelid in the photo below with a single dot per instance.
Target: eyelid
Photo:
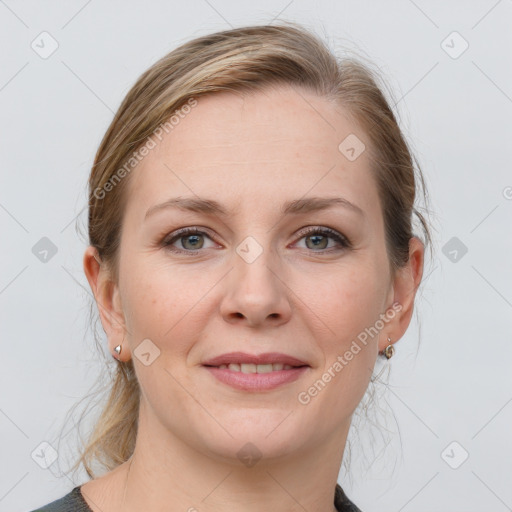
(342, 240)
(183, 232)
(325, 230)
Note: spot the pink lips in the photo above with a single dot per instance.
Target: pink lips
(256, 381)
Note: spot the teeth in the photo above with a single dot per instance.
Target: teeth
(248, 368)
(255, 368)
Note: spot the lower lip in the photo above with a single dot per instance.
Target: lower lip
(256, 381)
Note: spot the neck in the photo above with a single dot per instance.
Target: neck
(166, 473)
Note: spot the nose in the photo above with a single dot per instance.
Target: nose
(255, 293)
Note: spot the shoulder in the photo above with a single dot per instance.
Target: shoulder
(342, 503)
(72, 501)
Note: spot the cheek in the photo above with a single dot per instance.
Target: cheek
(347, 301)
(359, 305)
(168, 304)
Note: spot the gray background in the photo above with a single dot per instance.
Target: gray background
(453, 386)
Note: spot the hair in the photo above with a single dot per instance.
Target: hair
(246, 59)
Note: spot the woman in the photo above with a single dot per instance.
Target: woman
(251, 255)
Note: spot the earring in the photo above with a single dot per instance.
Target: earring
(117, 350)
(389, 350)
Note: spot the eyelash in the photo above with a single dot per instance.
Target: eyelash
(343, 241)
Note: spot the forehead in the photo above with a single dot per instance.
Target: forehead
(259, 149)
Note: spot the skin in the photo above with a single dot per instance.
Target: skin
(251, 153)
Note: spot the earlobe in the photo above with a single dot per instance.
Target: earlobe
(106, 294)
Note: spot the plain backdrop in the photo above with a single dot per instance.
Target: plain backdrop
(449, 65)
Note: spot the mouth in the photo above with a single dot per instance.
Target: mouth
(245, 361)
(255, 368)
(255, 372)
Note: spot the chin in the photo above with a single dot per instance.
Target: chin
(256, 438)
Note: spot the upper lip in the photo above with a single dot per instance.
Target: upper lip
(242, 357)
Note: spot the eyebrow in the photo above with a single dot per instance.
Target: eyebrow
(297, 206)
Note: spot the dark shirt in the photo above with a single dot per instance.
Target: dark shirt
(74, 502)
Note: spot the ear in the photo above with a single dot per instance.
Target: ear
(405, 285)
(106, 294)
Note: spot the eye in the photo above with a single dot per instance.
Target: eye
(317, 239)
(190, 239)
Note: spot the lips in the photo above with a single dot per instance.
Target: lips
(256, 373)
(242, 358)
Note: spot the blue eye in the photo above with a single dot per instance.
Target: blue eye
(319, 236)
(192, 240)
(188, 236)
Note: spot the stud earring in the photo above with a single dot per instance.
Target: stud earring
(117, 350)
(389, 351)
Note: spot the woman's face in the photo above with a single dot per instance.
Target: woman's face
(256, 279)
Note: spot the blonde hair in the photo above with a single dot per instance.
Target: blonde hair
(243, 59)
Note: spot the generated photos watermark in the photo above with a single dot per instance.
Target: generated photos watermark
(305, 397)
(151, 142)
